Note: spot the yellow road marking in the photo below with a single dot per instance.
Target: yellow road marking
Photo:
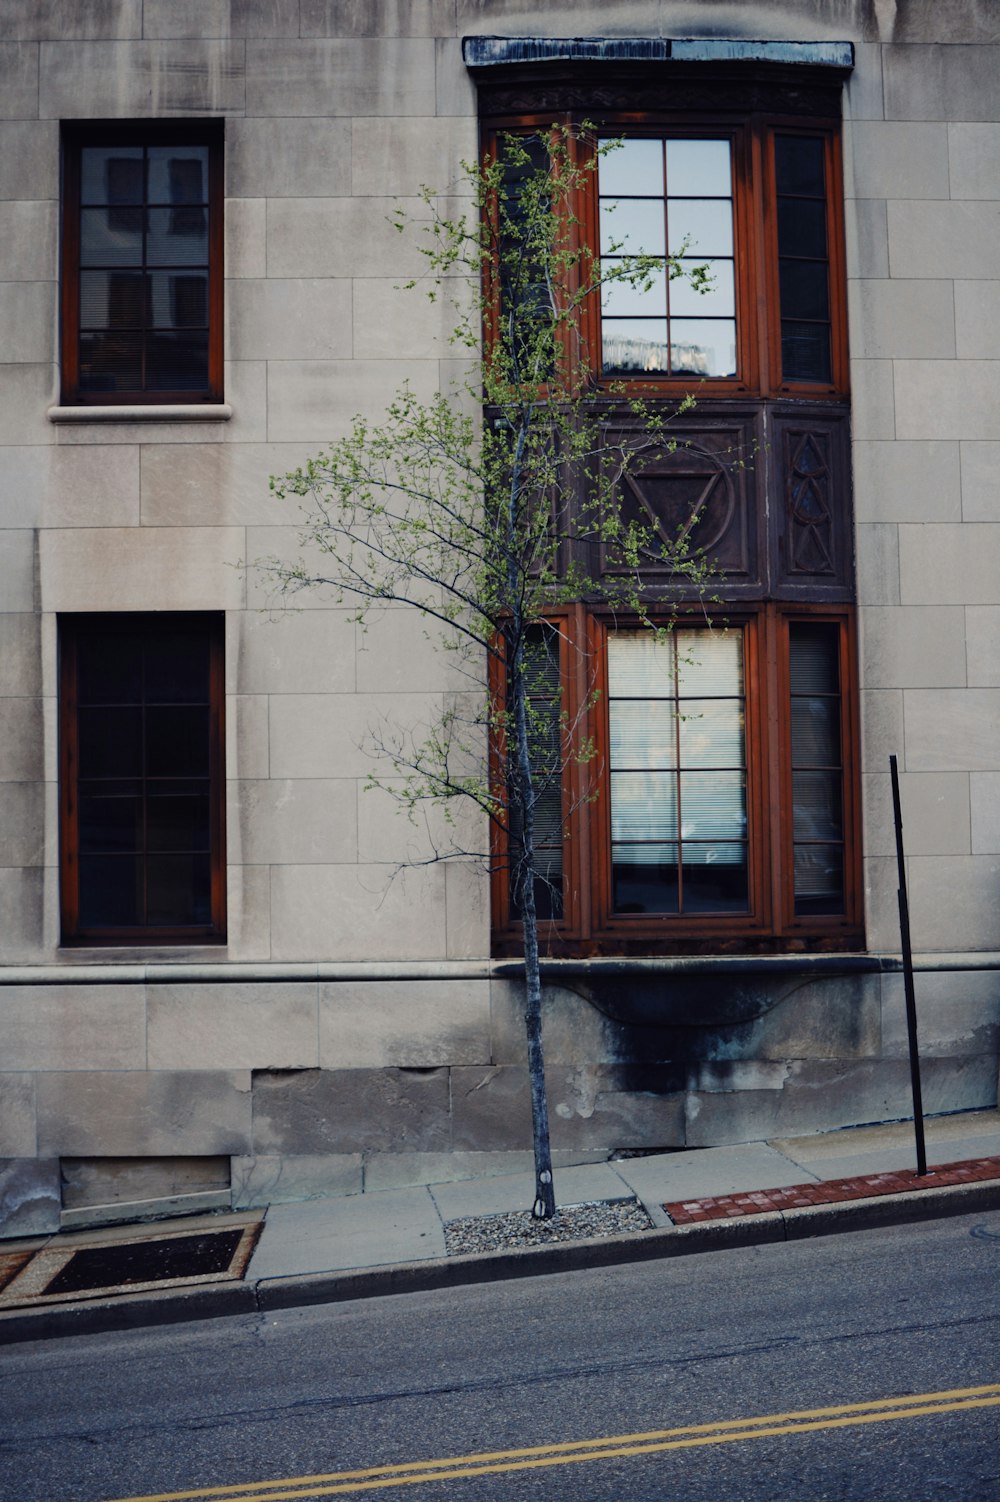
(688, 1436)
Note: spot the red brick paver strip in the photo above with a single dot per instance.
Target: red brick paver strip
(831, 1191)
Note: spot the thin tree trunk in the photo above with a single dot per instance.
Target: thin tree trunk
(544, 1206)
(545, 1194)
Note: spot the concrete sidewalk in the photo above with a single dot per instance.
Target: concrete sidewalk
(393, 1240)
(392, 1226)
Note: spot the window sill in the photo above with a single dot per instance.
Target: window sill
(181, 412)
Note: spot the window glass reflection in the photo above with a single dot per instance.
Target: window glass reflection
(633, 168)
(677, 752)
(685, 209)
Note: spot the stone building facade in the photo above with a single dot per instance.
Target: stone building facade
(284, 1020)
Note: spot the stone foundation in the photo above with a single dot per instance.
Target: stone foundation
(281, 1089)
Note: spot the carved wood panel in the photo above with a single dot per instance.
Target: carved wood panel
(607, 88)
(696, 491)
(810, 508)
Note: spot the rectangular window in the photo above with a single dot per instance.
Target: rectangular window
(660, 196)
(142, 778)
(677, 772)
(142, 264)
(817, 767)
(800, 183)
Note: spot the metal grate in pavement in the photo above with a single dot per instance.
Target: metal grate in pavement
(98, 1266)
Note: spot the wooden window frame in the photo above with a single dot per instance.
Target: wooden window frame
(758, 320)
(71, 629)
(775, 383)
(650, 927)
(588, 925)
(140, 133)
(852, 918)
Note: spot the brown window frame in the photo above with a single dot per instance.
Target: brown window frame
(588, 925)
(758, 319)
(72, 628)
(775, 382)
(140, 133)
(850, 741)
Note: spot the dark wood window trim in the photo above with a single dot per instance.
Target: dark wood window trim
(758, 310)
(649, 928)
(73, 630)
(588, 925)
(843, 621)
(777, 382)
(139, 134)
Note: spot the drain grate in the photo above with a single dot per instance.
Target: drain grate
(146, 1262)
(104, 1264)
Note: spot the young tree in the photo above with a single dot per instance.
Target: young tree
(481, 509)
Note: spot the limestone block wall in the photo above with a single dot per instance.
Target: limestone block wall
(922, 185)
(286, 1081)
(334, 115)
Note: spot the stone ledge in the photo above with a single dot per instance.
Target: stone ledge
(135, 972)
(169, 412)
(126, 1211)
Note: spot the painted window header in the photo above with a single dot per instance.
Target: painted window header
(493, 52)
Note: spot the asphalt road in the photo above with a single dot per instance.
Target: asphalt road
(552, 1365)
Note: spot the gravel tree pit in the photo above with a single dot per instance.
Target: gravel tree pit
(514, 1228)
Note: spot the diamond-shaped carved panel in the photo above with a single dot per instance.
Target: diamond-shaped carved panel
(811, 505)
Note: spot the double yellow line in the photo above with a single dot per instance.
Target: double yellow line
(690, 1436)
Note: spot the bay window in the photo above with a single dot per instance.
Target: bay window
(718, 808)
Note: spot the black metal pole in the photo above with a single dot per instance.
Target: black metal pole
(911, 1004)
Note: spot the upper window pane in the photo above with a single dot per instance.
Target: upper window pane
(699, 169)
(178, 174)
(798, 163)
(633, 227)
(111, 237)
(112, 174)
(632, 168)
(703, 225)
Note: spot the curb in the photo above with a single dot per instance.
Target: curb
(176, 1306)
(127, 1311)
(892, 1209)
